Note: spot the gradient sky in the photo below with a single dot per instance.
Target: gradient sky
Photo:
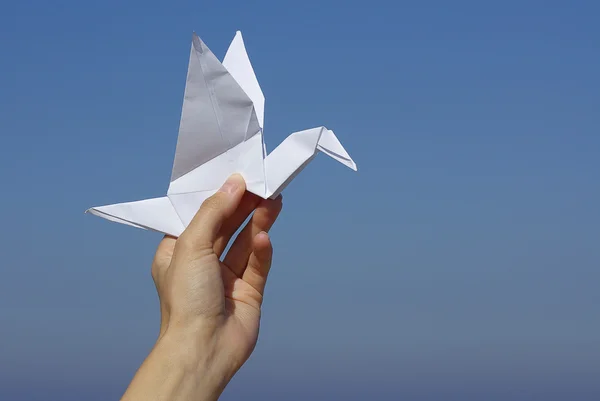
(461, 262)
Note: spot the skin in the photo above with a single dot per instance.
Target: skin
(210, 309)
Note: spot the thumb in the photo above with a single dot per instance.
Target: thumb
(204, 227)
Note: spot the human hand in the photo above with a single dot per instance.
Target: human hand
(210, 309)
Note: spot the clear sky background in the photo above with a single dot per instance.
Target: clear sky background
(461, 262)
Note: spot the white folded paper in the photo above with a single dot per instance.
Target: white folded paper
(221, 133)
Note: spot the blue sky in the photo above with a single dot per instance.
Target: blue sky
(461, 262)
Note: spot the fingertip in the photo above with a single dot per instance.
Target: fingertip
(236, 191)
(262, 241)
(233, 183)
(259, 262)
(279, 201)
(239, 179)
(251, 200)
(266, 214)
(272, 205)
(262, 247)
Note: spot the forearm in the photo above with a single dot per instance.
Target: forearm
(178, 369)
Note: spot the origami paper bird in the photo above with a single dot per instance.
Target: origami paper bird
(221, 133)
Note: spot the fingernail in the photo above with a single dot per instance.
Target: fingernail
(231, 185)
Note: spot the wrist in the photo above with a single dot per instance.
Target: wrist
(197, 357)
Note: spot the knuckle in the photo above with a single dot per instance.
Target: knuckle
(191, 246)
(156, 271)
(184, 244)
(183, 238)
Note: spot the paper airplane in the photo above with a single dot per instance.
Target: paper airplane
(221, 133)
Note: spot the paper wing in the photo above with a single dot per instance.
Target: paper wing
(215, 115)
(238, 64)
(156, 214)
